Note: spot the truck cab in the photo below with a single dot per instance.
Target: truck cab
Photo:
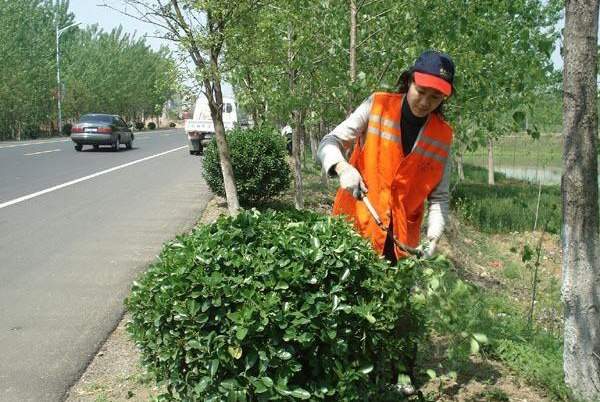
(200, 130)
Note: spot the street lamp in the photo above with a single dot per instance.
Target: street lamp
(59, 32)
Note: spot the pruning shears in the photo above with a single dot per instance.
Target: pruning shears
(407, 249)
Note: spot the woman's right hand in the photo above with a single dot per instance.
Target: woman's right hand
(350, 179)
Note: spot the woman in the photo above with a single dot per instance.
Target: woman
(400, 158)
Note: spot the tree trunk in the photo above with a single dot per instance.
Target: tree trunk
(302, 135)
(490, 162)
(353, 12)
(460, 166)
(296, 143)
(314, 143)
(321, 134)
(298, 122)
(581, 259)
(226, 168)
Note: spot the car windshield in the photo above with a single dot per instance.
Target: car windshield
(96, 118)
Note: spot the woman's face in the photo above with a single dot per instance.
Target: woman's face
(422, 100)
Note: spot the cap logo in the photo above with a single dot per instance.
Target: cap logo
(445, 74)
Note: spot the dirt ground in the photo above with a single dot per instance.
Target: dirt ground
(116, 375)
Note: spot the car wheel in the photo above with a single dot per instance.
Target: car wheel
(96, 147)
(78, 147)
(116, 145)
(129, 144)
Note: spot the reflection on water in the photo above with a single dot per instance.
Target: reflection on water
(547, 175)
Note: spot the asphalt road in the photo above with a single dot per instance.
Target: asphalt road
(76, 228)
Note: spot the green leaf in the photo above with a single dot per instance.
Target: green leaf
(345, 274)
(366, 369)
(481, 338)
(241, 333)
(474, 346)
(202, 384)
(431, 373)
(300, 393)
(214, 366)
(267, 381)
(235, 351)
(284, 354)
(527, 253)
(403, 379)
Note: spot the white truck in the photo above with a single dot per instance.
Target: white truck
(200, 129)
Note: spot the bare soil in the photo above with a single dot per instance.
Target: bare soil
(488, 261)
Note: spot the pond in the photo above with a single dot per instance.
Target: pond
(547, 175)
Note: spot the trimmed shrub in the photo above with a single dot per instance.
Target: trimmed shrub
(277, 306)
(172, 124)
(139, 125)
(66, 129)
(260, 168)
(151, 125)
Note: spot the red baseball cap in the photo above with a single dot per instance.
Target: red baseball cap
(434, 70)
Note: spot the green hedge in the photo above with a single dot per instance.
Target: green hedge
(260, 168)
(278, 306)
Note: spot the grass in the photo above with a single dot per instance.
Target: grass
(508, 206)
(521, 150)
(536, 352)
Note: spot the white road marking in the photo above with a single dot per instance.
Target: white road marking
(24, 144)
(70, 183)
(31, 143)
(42, 152)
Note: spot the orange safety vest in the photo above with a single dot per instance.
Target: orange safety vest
(398, 185)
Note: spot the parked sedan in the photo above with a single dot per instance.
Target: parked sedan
(101, 129)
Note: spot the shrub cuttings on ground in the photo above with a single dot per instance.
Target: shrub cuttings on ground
(277, 306)
(260, 168)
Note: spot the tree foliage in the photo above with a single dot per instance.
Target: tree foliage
(100, 72)
(501, 48)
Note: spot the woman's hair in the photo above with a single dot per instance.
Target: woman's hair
(403, 83)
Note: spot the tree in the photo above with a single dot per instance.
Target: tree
(203, 29)
(581, 257)
(113, 72)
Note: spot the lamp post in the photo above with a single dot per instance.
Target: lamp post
(59, 32)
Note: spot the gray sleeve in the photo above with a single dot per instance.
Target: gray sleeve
(333, 145)
(438, 202)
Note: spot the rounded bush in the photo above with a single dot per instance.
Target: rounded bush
(172, 124)
(139, 125)
(151, 125)
(66, 129)
(278, 306)
(260, 168)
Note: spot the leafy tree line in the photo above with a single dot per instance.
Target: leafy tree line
(310, 64)
(109, 72)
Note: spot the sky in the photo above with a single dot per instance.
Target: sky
(90, 12)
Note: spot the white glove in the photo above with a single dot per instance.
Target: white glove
(350, 179)
(428, 247)
(435, 227)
